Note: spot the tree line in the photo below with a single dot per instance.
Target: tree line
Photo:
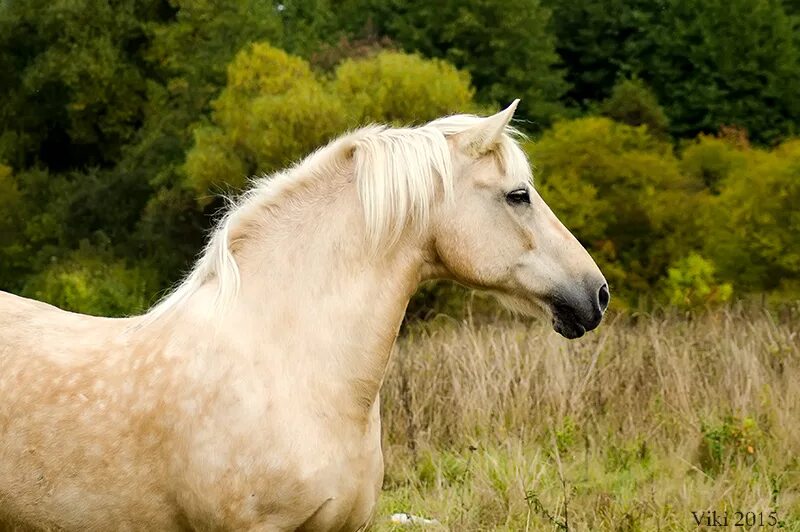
(661, 130)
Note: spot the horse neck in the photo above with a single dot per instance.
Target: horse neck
(314, 303)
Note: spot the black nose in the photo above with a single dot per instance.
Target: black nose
(579, 309)
(602, 297)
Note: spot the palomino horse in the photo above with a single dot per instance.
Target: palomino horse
(248, 398)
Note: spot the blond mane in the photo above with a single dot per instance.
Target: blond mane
(399, 173)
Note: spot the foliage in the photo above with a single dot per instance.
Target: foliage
(753, 231)
(120, 122)
(692, 282)
(187, 55)
(74, 91)
(88, 282)
(633, 103)
(724, 441)
(596, 39)
(329, 56)
(388, 88)
(710, 160)
(272, 111)
(723, 62)
(710, 63)
(96, 118)
(507, 47)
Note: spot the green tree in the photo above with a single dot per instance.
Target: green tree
(272, 111)
(401, 88)
(507, 47)
(596, 40)
(275, 109)
(724, 62)
(710, 63)
(73, 88)
(187, 56)
(633, 103)
(102, 99)
(753, 229)
(308, 25)
(711, 160)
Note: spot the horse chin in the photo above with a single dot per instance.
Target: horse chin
(562, 323)
(532, 308)
(567, 329)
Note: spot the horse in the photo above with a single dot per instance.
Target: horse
(248, 398)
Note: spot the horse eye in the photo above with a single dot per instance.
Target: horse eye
(519, 196)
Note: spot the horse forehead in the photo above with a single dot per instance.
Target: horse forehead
(485, 172)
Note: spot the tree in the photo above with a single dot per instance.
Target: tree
(187, 56)
(710, 160)
(596, 40)
(633, 103)
(272, 111)
(401, 88)
(275, 109)
(724, 62)
(307, 25)
(506, 47)
(753, 229)
(73, 89)
(709, 63)
(98, 112)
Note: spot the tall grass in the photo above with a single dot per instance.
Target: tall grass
(507, 426)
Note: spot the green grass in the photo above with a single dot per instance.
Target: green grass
(505, 426)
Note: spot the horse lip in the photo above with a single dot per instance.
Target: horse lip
(569, 331)
(567, 320)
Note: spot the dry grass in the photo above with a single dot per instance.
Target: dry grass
(507, 426)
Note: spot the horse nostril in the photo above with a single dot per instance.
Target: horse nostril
(602, 297)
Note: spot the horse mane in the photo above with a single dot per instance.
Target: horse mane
(398, 172)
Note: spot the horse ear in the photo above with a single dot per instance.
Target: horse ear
(484, 136)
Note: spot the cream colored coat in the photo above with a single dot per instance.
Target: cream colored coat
(248, 400)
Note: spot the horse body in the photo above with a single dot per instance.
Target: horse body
(248, 399)
(185, 435)
(70, 421)
(254, 418)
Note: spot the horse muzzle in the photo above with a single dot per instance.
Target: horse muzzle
(576, 312)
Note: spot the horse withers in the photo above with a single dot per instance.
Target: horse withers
(248, 398)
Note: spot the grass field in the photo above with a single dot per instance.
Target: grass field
(507, 426)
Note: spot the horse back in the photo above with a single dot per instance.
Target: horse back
(68, 438)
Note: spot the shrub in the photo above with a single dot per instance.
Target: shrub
(753, 228)
(710, 160)
(633, 103)
(275, 109)
(272, 112)
(692, 282)
(726, 441)
(397, 87)
(94, 284)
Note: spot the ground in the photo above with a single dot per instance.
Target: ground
(649, 423)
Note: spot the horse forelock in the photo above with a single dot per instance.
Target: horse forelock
(400, 174)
